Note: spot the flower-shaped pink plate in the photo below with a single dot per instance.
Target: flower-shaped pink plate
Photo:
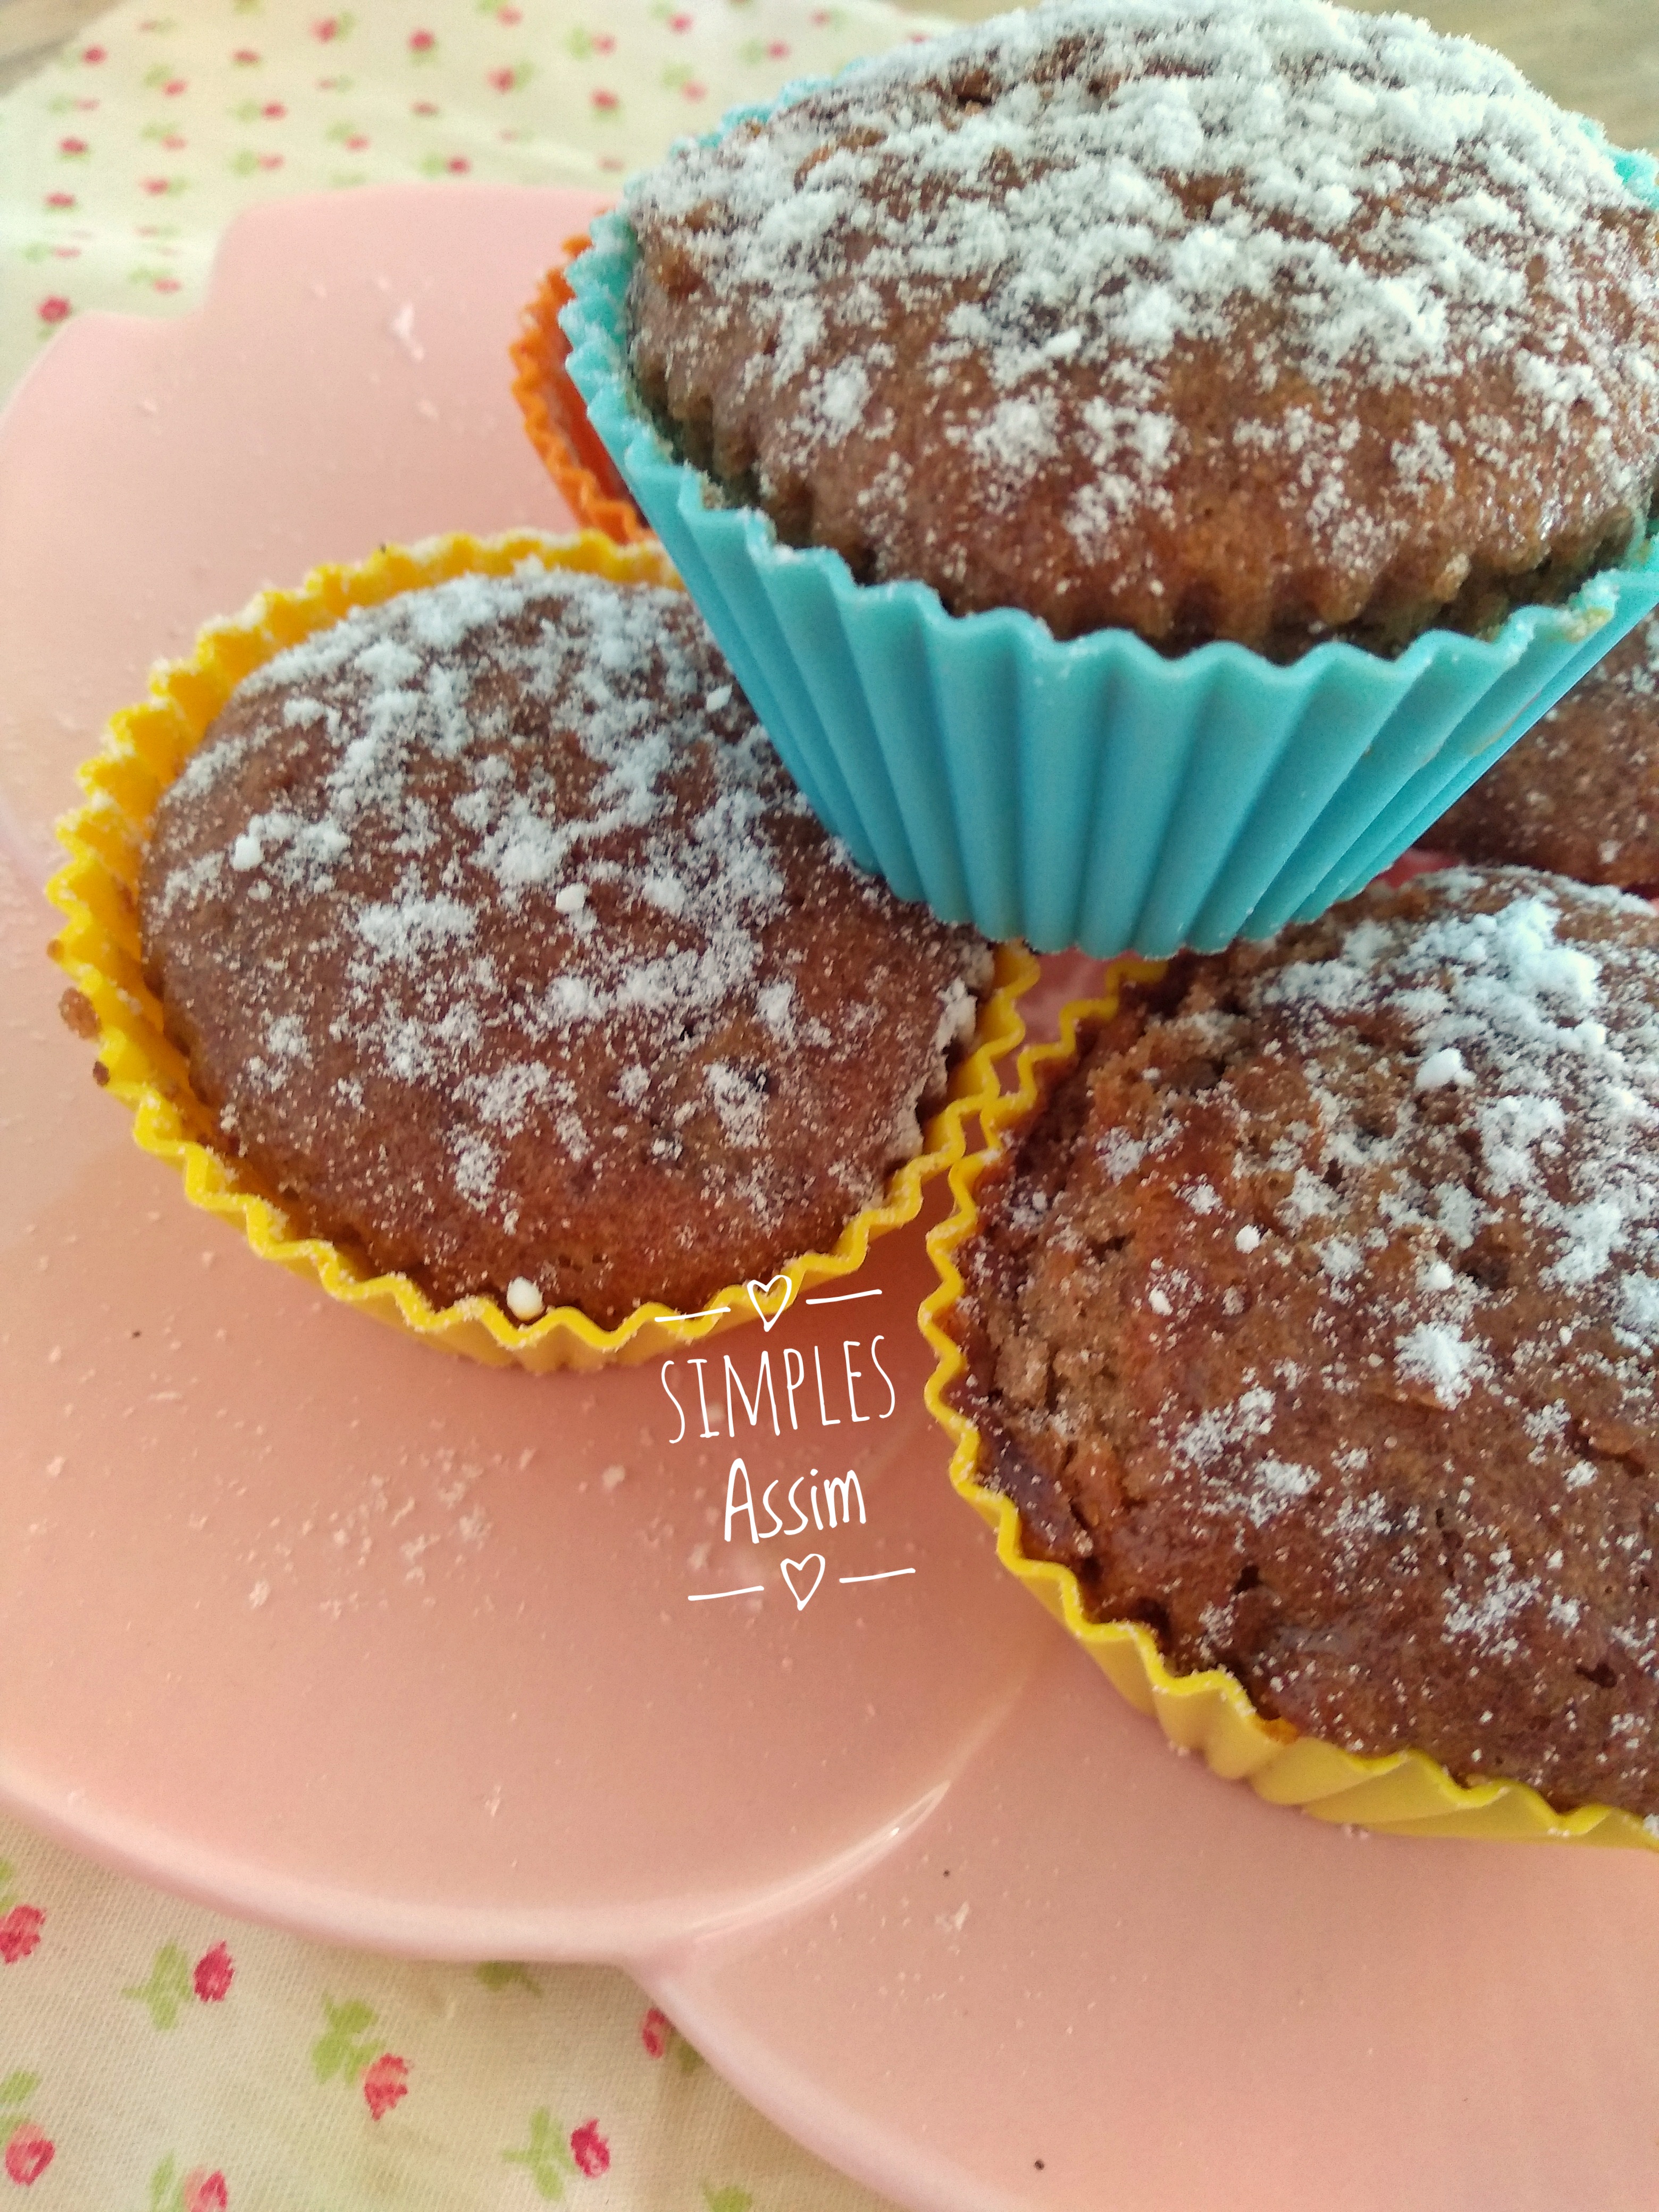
(302, 1618)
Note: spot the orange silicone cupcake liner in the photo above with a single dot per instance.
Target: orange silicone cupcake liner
(145, 748)
(556, 417)
(1211, 1712)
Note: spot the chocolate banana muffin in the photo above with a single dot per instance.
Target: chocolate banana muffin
(502, 948)
(1579, 793)
(1312, 1321)
(1254, 319)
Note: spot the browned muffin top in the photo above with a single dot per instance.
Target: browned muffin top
(500, 941)
(1244, 319)
(1314, 1325)
(1579, 793)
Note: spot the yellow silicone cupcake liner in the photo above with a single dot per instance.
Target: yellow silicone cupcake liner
(1403, 1793)
(145, 747)
(555, 417)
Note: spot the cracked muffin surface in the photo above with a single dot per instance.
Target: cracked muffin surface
(1579, 791)
(1264, 322)
(501, 946)
(1312, 1321)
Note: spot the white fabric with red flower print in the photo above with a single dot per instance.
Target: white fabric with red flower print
(122, 163)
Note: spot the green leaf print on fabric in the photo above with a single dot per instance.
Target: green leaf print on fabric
(729, 2199)
(168, 1990)
(660, 2036)
(348, 2050)
(547, 2159)
(340, 2049)
(198, 2190)
(502, 1973)
(174, 1983)
(26, 2151)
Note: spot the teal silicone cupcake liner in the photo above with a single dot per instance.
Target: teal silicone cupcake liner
(1094, 792)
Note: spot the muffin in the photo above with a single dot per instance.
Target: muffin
(1265, 322)
(476, 956)
(1580, 793)
(1138, 456)
(499, 942)
(1310, 1323)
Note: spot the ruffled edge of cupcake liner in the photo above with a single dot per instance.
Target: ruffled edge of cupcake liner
(555, 421)
(1090, 792)
(145, 747)
(1404, 1793)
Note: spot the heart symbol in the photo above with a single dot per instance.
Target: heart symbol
(759, 1290)
(814, 1559)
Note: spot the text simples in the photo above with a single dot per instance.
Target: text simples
(783, 1387)
(804, 1389)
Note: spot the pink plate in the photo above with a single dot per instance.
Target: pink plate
(304, 1618)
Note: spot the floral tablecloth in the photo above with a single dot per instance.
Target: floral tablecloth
(121, 164)
(162, 2058)
(155, 2057)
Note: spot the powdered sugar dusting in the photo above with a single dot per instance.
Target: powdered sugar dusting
(1048, 212)
(1566, 1108)
(1066, 200)
(1547, 1050)
(1390, 1453)
(524, 871)
(387, 702)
